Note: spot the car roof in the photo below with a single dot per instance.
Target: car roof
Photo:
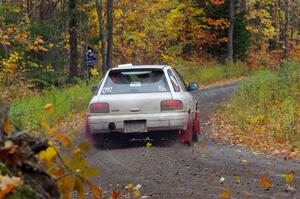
(140, 67)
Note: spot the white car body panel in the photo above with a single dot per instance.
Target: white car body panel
(142, 106)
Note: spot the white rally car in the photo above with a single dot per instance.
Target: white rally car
(142, 99)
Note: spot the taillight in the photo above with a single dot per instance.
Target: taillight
(99, 108)
(169, 105)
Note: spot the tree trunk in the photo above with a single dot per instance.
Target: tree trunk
(109, 33)
(99, 6)
(286, 26)
(46, 9)
(230, 31)
(73, 23)
(243, 5)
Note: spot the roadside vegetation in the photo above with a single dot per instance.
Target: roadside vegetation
(26, 112)
(264, 113)
(213, 73)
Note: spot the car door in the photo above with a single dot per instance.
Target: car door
(181, 92)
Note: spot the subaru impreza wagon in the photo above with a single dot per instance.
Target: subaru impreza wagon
(142, 99)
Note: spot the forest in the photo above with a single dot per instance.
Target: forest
(43, 43)
(53, 51)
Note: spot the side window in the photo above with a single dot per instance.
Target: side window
(180, 80)
(174, 82)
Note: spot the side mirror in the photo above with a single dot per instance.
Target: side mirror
(95, 90)
(192, 87)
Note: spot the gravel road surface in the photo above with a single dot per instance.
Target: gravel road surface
(201, 171)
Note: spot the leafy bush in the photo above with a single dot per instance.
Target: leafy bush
(26, 113)
(269, 101)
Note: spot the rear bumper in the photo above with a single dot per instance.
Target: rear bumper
(154, 122)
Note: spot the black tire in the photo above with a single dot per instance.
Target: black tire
(195, 138)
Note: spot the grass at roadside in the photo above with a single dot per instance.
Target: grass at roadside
(264, 113)
(26, 113)
(212, 74)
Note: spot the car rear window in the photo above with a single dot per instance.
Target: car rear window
(135, 81)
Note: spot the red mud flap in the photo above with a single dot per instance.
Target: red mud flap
(193, 127)
(92, 139)
(196, 124)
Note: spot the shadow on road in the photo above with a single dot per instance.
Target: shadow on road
(124, 141)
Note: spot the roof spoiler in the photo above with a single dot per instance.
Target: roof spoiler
(124, 65)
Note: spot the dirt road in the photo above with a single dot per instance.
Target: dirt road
(202, 171)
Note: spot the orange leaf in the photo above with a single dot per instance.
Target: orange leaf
(60, 137)
(7, 128)
(96, 191)
(66, 186)
(203, 145)
(9, 189)
(226, 194)
(79, 187)
(115, 194)
(265, 183)
(49, 108)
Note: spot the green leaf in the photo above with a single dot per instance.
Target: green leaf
(84, 146)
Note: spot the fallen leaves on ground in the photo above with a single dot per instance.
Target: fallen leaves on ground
(226, 194)
(238, 180)
(289, 178)
(265, 182)
(223, 129)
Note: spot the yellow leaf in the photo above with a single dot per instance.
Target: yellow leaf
(136, 193)
(149, 145)
(289, 178)
(84, 146)
(226, 194)
(49, 108)
(7, 128)
(94, 72)
(10, 30)
(129, 186)
(42, 48)
(49, 154)
(238, 180)
(50, 45)
(265, 183)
